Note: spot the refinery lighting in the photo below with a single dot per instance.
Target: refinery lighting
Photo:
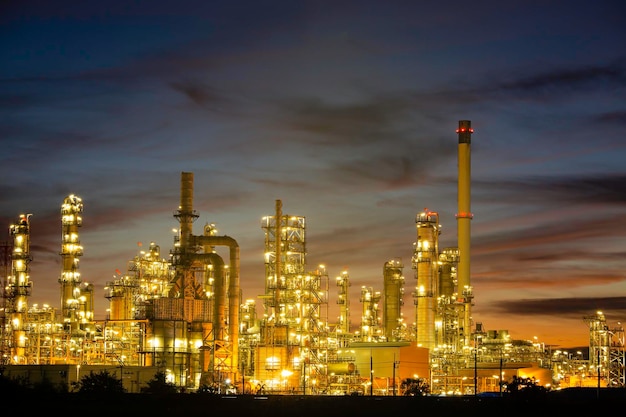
(181, 311)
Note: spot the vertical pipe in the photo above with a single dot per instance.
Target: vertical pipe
(219, 289)
(464, 217)
(234, 301)
(234, 291)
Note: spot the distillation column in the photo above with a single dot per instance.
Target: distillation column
(71, 250)
(446, 323)
(425, 260)
(369, 318)
(285, 286)
(393, 282)
(285, 264)
(464, 217)
(343, 299)
(19, 289)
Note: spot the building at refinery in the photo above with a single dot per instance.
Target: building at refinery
(184, 315)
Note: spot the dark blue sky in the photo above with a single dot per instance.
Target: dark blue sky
(345, 111)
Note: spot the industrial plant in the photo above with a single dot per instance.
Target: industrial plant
(183, 314)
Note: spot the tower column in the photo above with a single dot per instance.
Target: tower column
(464, 217)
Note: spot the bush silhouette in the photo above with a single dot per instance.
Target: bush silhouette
(159, 385)
(525, 387)
(414, 387)
(100, 383)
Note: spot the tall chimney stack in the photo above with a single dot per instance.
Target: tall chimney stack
(464, 217)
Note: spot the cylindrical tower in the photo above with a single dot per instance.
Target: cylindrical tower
(19, 288)
(425, 260)
(369, 317)
(448, 259)
(343, 299)
(464, 217)
(393, 282)
(446, 323)
(71, 251)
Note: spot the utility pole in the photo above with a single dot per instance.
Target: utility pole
(393, 385)
(598, 371)
(475, 371)
(500, 377)
(243, 378)
(371, 375)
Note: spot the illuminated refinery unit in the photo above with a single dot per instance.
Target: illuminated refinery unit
(185, 316)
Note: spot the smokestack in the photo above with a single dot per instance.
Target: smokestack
(186, 214)
(464, 217)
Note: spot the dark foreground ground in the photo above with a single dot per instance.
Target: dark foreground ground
(573, 402)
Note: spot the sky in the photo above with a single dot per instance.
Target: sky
(346, 112)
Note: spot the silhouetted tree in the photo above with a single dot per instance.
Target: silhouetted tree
(525, 387)
(208, 389)
(45, 386)
(414, 387)
(159, 385)
(10, 386)
(100, 383)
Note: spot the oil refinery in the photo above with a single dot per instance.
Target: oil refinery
(184, 314)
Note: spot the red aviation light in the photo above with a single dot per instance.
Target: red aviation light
(464, 215)
(464, 129)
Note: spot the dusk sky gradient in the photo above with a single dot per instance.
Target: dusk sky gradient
(345, 111)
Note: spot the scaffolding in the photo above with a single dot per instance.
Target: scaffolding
(606, 351)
